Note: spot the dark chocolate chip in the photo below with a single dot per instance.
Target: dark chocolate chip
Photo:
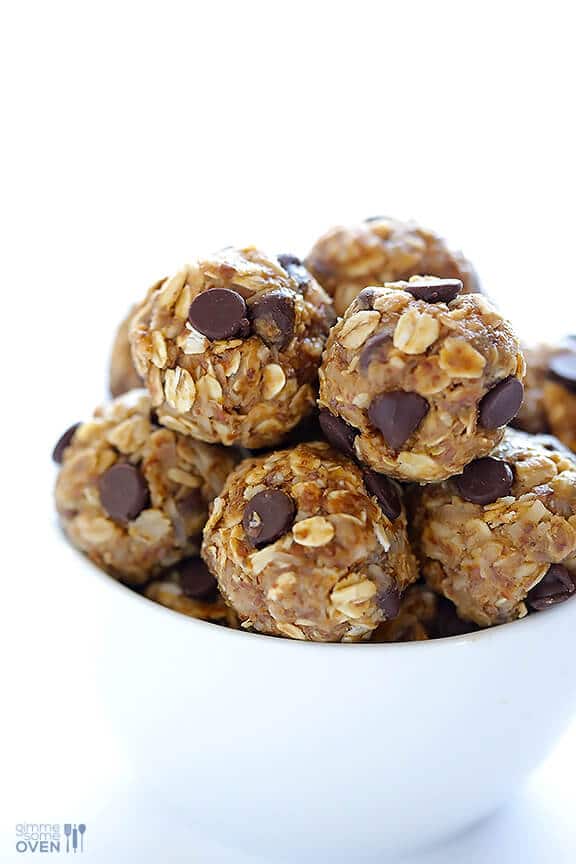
(563, 370)
(386, 492)
(338, 432)
(373, 347)
(365, 299)
(308, 429)
(191, 503)
(397, 415)
(218, 313)
(375, 218)
(295, 268)
(63, 442)
(123, 491)
(557, 586)
(388, 600)
(196, 580)
(272, 316)
(501, 403)
(267, 516)
(485, 480)
(447, 622)
(435, 290)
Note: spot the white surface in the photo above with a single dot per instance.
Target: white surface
(135, 134)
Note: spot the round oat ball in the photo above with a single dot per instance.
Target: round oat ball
(532, 414)
(550, 391)
(500, 539)
(419, 379)
(190, 588)
(305, 545)
(380, 250)
(230, 347)
(132, 495)
(560, 395)
(123, 375)
(423, 615)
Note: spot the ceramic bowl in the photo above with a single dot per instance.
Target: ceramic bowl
(325, 751)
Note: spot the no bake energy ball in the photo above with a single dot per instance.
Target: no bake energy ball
(190, 588)
(418, 379)
(560, 395)
(134, 496)
(550, 391)
(380, 250)
(123, 375)
(304, 545)
(230, 346)
(500, 539)
(423, 615)
(532, 414)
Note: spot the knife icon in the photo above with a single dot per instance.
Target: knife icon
(75, 839)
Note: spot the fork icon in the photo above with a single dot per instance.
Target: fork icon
(67, 832)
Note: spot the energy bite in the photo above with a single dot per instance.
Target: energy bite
(500, 539)
(190, 588)
(418, 379)
(132, 495)
(230, 346)
(532, 414)
(123, 376)
(423, 615)
(560, 396)
(550, 391)
(302, 546)
(418, 609)
(380, 250)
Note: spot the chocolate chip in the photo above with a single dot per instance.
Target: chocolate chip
(501, 403)
(447, 622)
(563, 370)
(374, 218)
(397, 415)
(365, 299)
(191, 503)
(295, 268)
(386, 492)
(272, 316)
(373, 347)
(63, 442)
(123, 491)
(338, 432)
(388, 600)
(219, 313)
(485, 480)
(267, 516)
(557, 586)
(196, 580)
(435, 290)
(308, 429)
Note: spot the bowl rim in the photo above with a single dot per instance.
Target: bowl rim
(530, 623)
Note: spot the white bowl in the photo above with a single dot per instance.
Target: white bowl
(319, 750)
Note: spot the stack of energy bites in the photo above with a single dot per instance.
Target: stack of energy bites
(268, 465)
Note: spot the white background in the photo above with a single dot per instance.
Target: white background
(133, 136)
